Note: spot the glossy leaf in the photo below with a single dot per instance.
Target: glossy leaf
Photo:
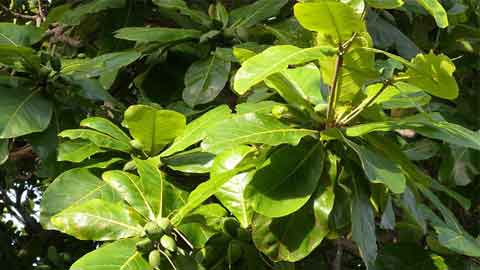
(23, 112)
(100, 139)
(436, 10)
(399, 96)
(270, 191)
(72, 188)
(152, 127)
(429, 125)
(293, 237)
(76, 15)
(157, 34)
(260, 66)
(205, 79)
(119, 255)
(363, 225)
(98, 220)
(334, 21)
(106, 126)
(19, 35)
(252, 128)
(77, 150)
(249, 15)
(181, 7)
(385, 4)
(196, 130)
(379, 169)
(194, 161)
(406, 256)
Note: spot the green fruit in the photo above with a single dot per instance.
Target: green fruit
(279, 111)
(154, 258)
(168, 243)
(154, 231)
(166, 225)
(234, 252)
(230, 226)
(144, 246)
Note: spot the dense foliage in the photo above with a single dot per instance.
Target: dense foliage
(268, 134)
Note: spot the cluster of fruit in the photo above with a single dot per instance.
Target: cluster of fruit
(159, 241)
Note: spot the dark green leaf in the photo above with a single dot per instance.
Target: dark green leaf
(258, 11)
(157, 34)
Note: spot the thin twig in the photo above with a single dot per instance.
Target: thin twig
(18, 15)
(190, 245)
(332, 101)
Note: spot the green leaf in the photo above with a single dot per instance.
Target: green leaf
(98, 220)
(157, 34)
(270, 191)
(22, 112)
(421, 150)
(19, 58)
(72, 188)
(334, 21)
(135, 191)
(379, 169)
(181, 7)
(152, 127)
(459, 242)
(77, 150)
(106, 126)
(273, 60)
(229, 162)
(250, 15)
(293, 237)
(205, 79)
(75, 16)
(399, 96)
(19, 35)
(197, 129)
(252, 128)
(4, 151)
(436, 10)
(162, 196)
(407, 256)
(363, 225)
(385, 4)
(307, 82)
(119, 255)
(429, 125)
(100, 139)
(434, 74)
(194, 161)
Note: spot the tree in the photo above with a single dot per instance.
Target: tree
(267, 134)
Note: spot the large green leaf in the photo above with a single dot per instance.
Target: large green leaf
(106, 126)
(379, 169)
(19, 58)
(72, 188)
(100, 139)
(98, 220)
(77, 150)
(295, 236)
(119, 255)
(152, 127)
(429, 125)
(434, 74)
(76, 15)
(134, 190)
(363, 224)
(334, 21)
(385, 4)
(205, 79)
(273, 60)
(398, 96)
(230, 162)
(23, 112)
(406, 256)
(157, 34)
(232, 193)
(19, 35)
(307, 82)
(436, 9)
(270, 191)
(252, 128)
(162, 196)
(197, 129)
(250, 15)
(193, 161)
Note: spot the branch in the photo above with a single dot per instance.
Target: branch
(332, 101)
(18, 15)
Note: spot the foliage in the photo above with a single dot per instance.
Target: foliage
(171, 134)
